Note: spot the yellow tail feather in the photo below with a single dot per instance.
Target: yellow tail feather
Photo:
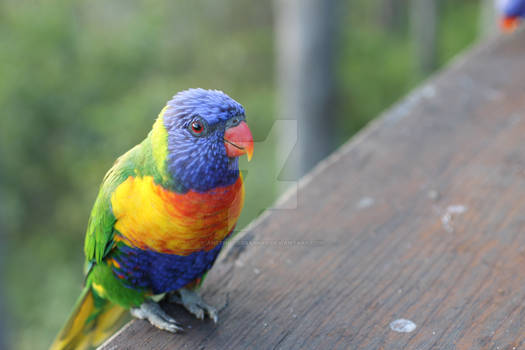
(93, 320)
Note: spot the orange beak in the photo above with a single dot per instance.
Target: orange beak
(509, 24)
(238, 140)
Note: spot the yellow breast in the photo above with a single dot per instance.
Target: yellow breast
(151, 217)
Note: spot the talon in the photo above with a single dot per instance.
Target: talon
(152, 312)
(213, 315)
(199, 314)
(194, 304)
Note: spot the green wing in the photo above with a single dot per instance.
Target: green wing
(99, 236)
(141, 160)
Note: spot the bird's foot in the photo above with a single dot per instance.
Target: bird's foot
(152, 312)
(194, 304)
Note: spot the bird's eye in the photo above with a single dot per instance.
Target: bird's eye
(197, 127)
(235, 121)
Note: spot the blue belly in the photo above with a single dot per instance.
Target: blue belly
(159, 272)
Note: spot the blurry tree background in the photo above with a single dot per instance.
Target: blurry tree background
(82, 81)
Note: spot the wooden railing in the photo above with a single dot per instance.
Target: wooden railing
(411, 236)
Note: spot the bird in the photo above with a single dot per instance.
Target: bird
(512, 13)
(161, 217)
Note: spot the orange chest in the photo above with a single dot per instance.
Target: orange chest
(151, 217)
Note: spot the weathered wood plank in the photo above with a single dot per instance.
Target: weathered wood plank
(421, 217)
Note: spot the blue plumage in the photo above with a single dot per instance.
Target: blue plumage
(200, 163)
(512, 8)
(160, 272)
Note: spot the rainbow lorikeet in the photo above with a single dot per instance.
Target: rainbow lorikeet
(512, 13)
(160, 219)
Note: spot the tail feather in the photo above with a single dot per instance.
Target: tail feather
(92, 321)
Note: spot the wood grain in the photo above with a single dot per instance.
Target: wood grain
(421, 217)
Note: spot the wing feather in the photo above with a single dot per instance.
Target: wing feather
(100, 231)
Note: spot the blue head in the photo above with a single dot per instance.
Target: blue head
(512, 8)
(512, 13)
(200, 156)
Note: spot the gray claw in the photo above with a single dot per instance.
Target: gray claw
(194, 304)
(152, 312)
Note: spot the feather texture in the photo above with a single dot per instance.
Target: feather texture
(161, 216)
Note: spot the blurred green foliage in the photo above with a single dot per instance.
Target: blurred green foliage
(82, 81)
